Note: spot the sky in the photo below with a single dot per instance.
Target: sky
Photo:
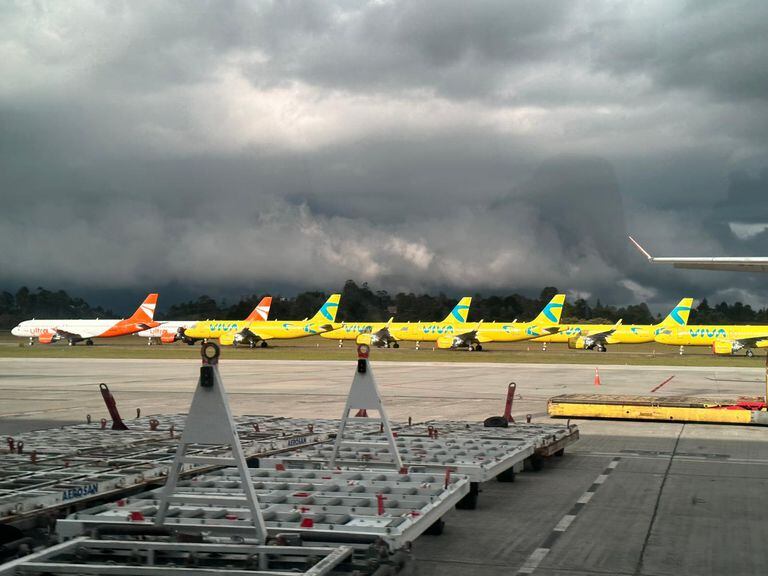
(229, 147)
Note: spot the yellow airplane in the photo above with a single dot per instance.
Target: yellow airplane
(723, 339)
(547, 322)
(388, 334)
(598, 336)
(233, 332)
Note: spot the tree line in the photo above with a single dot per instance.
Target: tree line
(26, 304)
(361, 303)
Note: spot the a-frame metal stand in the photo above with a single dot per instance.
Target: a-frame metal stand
(210, 422)
(363, 397)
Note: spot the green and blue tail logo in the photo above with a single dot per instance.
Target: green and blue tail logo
(325, 310)
(328, 310)
(460, 311)
(680, 313)
(552, 311)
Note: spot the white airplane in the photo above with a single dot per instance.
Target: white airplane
(728, 263)
(74, 331)
(169, 332)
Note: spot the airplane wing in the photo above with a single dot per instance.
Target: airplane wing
(66, 335)
(730, 346)
(732, 264)
(465, 339)
(244, 337)
(601, 334)
(753, 342)
(381, 337)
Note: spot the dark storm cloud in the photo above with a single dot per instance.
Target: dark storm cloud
(747, 200)
(718, 47)
(415, 145)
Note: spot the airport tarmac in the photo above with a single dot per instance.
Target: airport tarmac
(629, 498)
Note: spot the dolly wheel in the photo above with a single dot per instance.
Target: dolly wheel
(469, 502)
(436, 529)
(507, 476)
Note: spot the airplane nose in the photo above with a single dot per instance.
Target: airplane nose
(16, 331)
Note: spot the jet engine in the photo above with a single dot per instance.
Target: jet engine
(722, 348)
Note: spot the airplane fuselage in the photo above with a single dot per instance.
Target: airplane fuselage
(266, 329)
(624, 334)
(166, 328)
(512, 331)
(82, 328)
(708, 335)
(408, 331)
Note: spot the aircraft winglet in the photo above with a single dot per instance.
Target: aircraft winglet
(643, 251)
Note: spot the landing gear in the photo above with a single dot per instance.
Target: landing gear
(601, 348)
(749, 353)
(263, 344)
(70, 342)
(479, 347)
(395, 345)
(31, 341)
(89, 342)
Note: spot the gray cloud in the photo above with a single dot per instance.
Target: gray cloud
(490, 146)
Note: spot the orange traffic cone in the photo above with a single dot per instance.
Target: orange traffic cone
(597, 377)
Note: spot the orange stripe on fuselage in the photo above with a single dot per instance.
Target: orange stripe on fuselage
(128, 326)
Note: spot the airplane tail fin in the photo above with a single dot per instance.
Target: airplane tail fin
(261, 312)
(327, 312)
(145, 313)
(679, 314)
(460, 312)
(551, 312)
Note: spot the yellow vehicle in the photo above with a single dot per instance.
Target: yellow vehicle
(723, 339)
(547, 322)
(388, 334)
(598, 336)
(234, 332)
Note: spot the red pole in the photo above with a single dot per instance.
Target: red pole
(380, 501)
(109, 400)
(510, 398)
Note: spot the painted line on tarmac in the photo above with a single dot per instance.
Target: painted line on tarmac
(662, 384)
(682, 457)
(538, 555)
